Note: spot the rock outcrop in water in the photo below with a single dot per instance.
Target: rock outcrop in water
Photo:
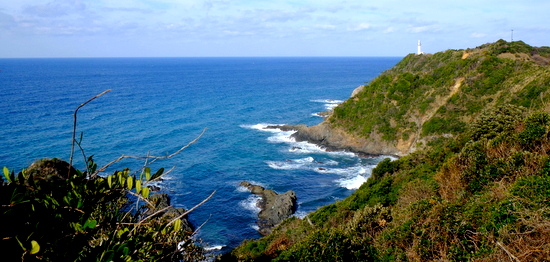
(274, 208)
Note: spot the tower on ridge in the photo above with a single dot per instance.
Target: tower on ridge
(419, 48)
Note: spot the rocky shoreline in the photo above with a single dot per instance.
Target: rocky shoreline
(274, 207)
(334, 139)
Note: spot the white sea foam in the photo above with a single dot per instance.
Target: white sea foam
(243, 189)
(282, 137)
(303, 163)
(300, 214)
(263, 127)
(216, 247)
(251, 203)
(329, 104)
(352, 177)
(352, 183)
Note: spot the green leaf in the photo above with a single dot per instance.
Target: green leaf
(35, 247)
(177, 225)
(120, 175)
(157, 174)
(145, 192)
(147, 173)
(138, 186)
(7, 174)
(110, 181)
(130, 182)
(90, 223)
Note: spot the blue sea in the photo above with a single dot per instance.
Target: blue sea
(158, 105)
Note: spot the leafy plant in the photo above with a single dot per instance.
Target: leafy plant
(52, 212)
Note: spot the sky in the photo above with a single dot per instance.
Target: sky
(214, 28)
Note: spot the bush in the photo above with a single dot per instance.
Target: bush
(535, 129)
(495, 121)
(76, 216)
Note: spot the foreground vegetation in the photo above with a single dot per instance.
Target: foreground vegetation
(478, 186)
(53, 212)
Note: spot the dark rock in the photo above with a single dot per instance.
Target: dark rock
(274, 208)
(154, 188)
(287, 127)
(50, 169)
(161, 201)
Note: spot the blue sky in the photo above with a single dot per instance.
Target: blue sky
(174, 28)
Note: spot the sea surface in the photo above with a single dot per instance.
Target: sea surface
(158, 105)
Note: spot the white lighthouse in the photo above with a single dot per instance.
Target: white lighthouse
(419, 48)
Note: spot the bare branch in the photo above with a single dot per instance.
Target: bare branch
(151, 157)
(193, 208)
(140, 197)
(74, 123)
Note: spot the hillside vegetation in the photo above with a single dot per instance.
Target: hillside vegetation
(474, 181)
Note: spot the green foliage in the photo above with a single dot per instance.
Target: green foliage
(386, 166)
(535, 189)
(322, 215)
(84, 217)
(329, 245)
(536, 129)
(438, 125)
(495, 121)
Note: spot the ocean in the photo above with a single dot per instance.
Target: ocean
(158, 105)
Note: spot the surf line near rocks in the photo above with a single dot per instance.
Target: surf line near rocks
(274, 207)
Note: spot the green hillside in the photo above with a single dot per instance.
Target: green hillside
(427, 95)
(475, 182)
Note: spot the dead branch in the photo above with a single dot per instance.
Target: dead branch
(193, 208)
(151, 157)
(139, 196)
(74, 122)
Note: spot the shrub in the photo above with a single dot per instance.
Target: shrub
(495, 121)
(76, 216)
(535, 129)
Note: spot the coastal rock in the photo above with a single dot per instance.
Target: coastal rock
(337, 139)
(50, 169)
(287, 127)
(162, 201)
(274, 208)
(357, 90)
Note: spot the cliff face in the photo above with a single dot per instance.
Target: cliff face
(336, 138)
(426, 97)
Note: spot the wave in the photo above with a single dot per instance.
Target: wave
(289, 164)
(303, 147)
(251, 203)
(215, 247)
(352, 183)
(329, 104)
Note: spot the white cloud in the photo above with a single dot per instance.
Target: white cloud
(390, 29)
(361, 27)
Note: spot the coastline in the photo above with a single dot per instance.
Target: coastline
(337, 140)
